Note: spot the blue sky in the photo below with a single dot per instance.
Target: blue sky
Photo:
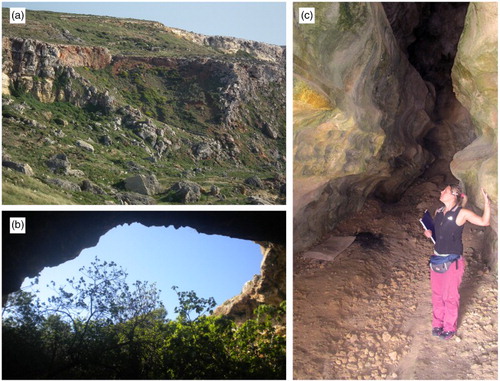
(211, 265)
(259, 21)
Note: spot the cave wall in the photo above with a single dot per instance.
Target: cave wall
(361, 111)
(475, 83)
(55, 237)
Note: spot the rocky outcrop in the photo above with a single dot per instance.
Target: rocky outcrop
(360, 113)
(232, 45)
(54, 237)
(47, 71)
(33, 64)
(267, 287)
(475, 82)
(27, 57)
(241, 84)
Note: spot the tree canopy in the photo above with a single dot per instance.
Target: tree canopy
(98, 327)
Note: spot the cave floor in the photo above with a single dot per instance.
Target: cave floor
(367, 314)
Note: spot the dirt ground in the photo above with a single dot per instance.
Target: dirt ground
(367, 314)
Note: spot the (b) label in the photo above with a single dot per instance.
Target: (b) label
(18, 225)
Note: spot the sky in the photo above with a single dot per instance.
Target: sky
(258, 21)
(211, 265)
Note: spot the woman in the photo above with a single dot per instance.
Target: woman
(447, 258)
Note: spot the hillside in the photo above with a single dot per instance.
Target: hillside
(100, 110)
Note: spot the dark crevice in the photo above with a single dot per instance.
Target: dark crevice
(429, 33)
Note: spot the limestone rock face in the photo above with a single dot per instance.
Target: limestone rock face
(36, 67)
(475, 74)
(268, 287)
(32, 57)
(260, 50)
(360, 112)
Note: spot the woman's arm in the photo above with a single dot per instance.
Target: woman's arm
(468, 215)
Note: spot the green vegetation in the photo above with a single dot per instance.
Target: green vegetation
(98, 327)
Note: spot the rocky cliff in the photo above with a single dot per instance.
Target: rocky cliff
(144, 101)
(375, 109)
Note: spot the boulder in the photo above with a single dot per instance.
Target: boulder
(214, 190)
(254, 181)
(59, 163)
(134, 199)
(106, 140)
(64, 184)
(143, 184)
(84, 145)
(19, 167)
(75, 172)
(89, 186)
(255, 200)
(269, 131)
(185, 192)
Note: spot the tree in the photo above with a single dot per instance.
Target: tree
(189, 302)
(88, 320)
(100, 327)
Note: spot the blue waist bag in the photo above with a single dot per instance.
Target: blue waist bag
(441, 263)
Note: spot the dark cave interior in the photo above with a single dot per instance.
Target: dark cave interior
(428, 34)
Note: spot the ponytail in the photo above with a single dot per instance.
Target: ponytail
(463, 200)
(461, 197)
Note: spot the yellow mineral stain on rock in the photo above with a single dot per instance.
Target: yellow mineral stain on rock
(305, 97)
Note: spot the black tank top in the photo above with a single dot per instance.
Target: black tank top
(448, 233)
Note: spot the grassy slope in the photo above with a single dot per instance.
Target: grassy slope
(120, 36)
(187, 105)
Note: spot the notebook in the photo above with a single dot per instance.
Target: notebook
(428, 224)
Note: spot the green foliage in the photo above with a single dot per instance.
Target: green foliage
(99, 327)
(190, 302)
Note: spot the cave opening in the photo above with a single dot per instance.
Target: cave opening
(210, 265)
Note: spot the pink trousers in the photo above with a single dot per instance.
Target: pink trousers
(445, 296)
